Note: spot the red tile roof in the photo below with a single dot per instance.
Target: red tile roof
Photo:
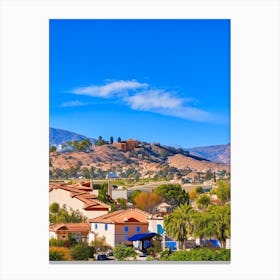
(82, 192)
(70, 227)
(123, 216)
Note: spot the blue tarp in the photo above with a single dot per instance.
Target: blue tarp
(142, 236)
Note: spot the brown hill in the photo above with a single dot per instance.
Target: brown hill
(184, 162)
(147, 160)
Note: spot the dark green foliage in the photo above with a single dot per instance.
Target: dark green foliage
(172, 194)
(223, 191)
(81, 252)
(122, 203)
(131, 197)
(56, 242)
(101, 141)
(209, 175)
(56, 256)
(59, 214)
(198, 255)
(199, 189)
(123, 252)
(52, 149)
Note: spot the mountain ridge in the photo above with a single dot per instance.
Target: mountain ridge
(213, 153)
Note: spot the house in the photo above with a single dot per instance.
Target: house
(163, 208)
(117, 227)
(62, 231)
(78, 197)
(127, 145)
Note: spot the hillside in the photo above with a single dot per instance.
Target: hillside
(60, 136)
(147, 160)
(217, 153)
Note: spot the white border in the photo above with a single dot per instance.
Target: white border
(254, 131)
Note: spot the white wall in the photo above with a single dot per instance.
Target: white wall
(153, 224)
(109, 233)
(52, 234)
(63, 197)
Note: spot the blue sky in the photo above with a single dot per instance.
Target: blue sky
(164, 81)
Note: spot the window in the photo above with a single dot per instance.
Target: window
(95, 226)
(137, 229)
(126, 229)
(106, 226)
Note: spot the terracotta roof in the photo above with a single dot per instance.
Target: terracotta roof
(81, 192)
(70, 227)
(123, 216)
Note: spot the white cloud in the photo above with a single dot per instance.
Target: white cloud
(74, 103)
(139, 96)
(118, 87)
(153, 99)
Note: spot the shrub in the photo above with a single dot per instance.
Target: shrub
(59, 254)
(122, 252)
(199, 255)
(56, 242)
(150, 258)
(81, 252)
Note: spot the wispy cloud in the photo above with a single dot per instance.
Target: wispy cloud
(153, 99)
(113, 88)
(140, 96)
(74, 103)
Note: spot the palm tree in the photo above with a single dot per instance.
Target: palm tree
(220, 222)
(178, 224)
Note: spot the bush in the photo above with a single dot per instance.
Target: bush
(59, 254)
(56, 242)
(199, 255)
(150, 258)
(122, 252)
(81, 252)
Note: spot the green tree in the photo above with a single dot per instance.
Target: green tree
(178, 224)
(100, 141)
(111, 140)
(201, 222)
(119, 140)
(122, 203)
(199, 189)
(84, 145)
(132, 196)
(203, 200)
(208, 175)
(172, 194)
(123, 252)
(52, 149)
(85, 173)
(219, 224)
(76, 145)
(59, 214)
(223, 191)
(81, 252)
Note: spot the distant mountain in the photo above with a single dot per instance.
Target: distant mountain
(60, 136)
(217, 153)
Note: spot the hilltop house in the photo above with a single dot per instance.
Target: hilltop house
(78, 196)
(127, 145)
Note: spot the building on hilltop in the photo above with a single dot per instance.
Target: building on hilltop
(127, 145)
